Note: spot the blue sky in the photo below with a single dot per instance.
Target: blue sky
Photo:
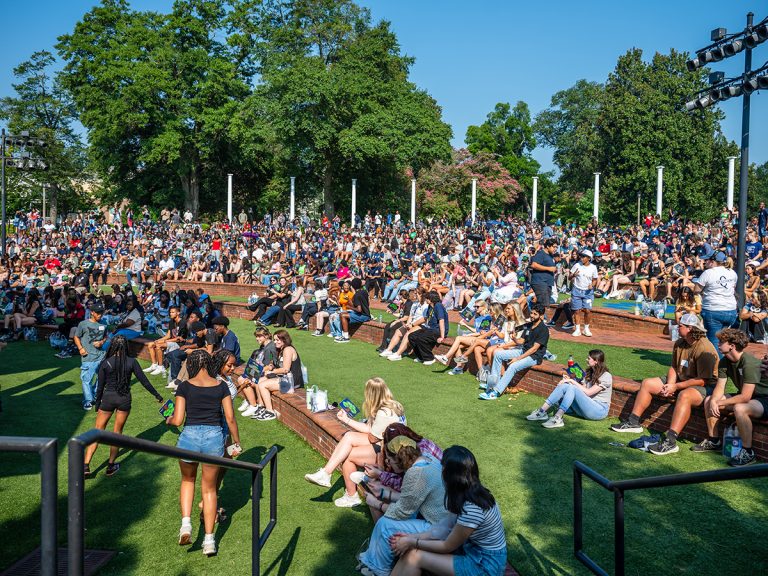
(469, 56)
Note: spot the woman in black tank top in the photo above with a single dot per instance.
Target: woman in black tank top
(284, 377)
(114, 394)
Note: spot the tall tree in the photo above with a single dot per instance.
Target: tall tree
(44, 108)
(508, 133)
(157, 94)
(340, 97)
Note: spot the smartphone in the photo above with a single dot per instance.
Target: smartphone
(167, 409)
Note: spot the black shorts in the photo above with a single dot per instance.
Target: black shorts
(763, 400)
(112, 401)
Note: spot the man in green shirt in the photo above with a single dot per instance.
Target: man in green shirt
(751, 401)
(90, 337)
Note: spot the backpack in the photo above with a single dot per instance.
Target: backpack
(30, 334)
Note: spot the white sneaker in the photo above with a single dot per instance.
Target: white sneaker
(160, 371)
(151, 368)
(537, 414)
(386, 353)
(171, 385)
(185, 534)
(357, 476)
(243, 406)
(394, 357)
(321, 478)
(587, 332)
(250, 411)
(330, 335)
(554, 422)
(209, 545)
(348, 501)
(428, 362)
(576, 332)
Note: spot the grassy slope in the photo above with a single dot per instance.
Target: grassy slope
(527, 467)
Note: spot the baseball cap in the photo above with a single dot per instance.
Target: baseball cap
(587, 253)
(720, 257)
(693, 321)
(97, 307)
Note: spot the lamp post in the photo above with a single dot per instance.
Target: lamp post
(229, 198)
(659, 188)
(731, 177)
(596, 200)
(43, 215)
(535, 199)
(638, 208)
(293, 198)
(413, 201)
(474, 199)
(354, 201)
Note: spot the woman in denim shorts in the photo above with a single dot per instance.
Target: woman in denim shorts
(478, 532)
(199, 404)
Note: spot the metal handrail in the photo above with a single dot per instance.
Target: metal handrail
(47, 448)
(76, 523)
(620, 486)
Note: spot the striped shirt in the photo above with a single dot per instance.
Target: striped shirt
(488, 527)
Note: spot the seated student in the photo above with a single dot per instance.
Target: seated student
(284, 376)
(433, 332)
(407, 300)
(419, 507)
(362, 443)
(129, 325)
(345, 303)
(482, 325)
(750, 403)
(318, 301)
(294, 304)
(508, 323)
(688, 302)
(199, 337)
(158, 347)
(590, 400)
(226, 338)
(478, 533)
(691, 379)
(331, 307)
(250, 374)
(753, 317)
(534, 346)
(398, 343)
(358, 313)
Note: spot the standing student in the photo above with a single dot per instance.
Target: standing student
(90, 338)
(543, 268)
(584, 277)
(199, 405)
(717, 286)
(114, 394)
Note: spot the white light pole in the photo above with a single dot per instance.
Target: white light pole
(413, 201)
(731, 178)
(44, 187)
(659, 187)
(229, 198)
(474, 200)
(535, 199)
(596, 201)
(354, 200)
(293, 198)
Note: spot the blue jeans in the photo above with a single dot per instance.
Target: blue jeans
(716, 320)
(515, 367)
(357, 318)
(335, 325)
(574, 400)
(125, 332)
(270, 314)
(379, 556)
(87, 378)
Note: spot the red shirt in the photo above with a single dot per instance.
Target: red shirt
(51, 263)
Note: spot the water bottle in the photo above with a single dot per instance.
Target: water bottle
(674, 331)
(305, 375)
(310, 394)
(570, 361)
(731, 441)
(380, 317)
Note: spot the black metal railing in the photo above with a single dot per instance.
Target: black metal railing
(47, 448)
(619, 487)
(76, 523)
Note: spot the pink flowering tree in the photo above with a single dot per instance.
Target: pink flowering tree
(445, 189)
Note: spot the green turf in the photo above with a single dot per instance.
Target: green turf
(528, 468)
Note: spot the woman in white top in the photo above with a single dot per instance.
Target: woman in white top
(717, 286)
(590, 399)
(362, 444)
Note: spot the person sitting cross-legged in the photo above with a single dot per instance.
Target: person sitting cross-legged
(691, 379)
(358, 313)
(750, 403)
(534, 345)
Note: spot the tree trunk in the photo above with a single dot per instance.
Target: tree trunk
(190, 183)
(327, 188)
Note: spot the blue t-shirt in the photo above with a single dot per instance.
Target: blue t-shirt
(753, 250)
(436, 313)
(540, 276)
(230, 342)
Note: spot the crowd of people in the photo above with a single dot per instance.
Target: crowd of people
(500, 277)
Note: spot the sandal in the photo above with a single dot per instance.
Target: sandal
(86, 471)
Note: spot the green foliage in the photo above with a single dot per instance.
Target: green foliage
(43, 108)
(632, 124)
(508, 134)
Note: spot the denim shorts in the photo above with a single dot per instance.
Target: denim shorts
(202, 438)
(357, 318)
(478, 561)
(582, 299)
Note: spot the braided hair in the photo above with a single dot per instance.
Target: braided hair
(118, 349)
(197, 360)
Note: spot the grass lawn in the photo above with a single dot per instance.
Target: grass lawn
(526, 467)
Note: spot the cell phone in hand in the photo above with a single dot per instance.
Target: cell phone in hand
(168, 408)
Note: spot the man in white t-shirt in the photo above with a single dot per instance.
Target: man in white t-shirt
(717, 286)
(584, 277)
